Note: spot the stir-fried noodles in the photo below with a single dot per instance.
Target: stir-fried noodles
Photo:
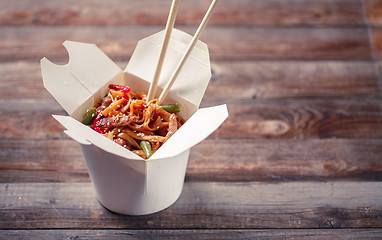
(128, 119)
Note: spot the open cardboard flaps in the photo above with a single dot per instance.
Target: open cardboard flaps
(193, 78)
(77, 82)
(82, 82)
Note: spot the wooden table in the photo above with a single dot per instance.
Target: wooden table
(299, 157)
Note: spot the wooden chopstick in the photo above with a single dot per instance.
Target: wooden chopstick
(188, 51)
(169, 27)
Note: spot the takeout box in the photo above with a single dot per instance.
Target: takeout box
(124, 182)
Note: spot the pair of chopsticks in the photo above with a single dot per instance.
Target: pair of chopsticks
(191, 45)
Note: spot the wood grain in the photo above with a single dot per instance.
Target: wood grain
(292, 79)
(305, 118)
(237, 43)
(151, 12)
(280, 160)
(299, 157)
(201, 205)
(377, 39)
(42, 161)
(374, 12)
(212, 160)
(252, 119)
(30, 119)
(197, 234)
(237, 79)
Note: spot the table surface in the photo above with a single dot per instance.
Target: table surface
(299, 156)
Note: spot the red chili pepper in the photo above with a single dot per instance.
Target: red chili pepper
(96, 121)
(124, 89)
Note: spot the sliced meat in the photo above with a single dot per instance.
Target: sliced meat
(172, 126)
(117, 121)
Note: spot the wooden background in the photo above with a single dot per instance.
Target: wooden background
(299, 156)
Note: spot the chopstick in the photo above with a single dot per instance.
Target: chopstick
(169, 27)
(191, 45)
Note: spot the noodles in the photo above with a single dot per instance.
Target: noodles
(129, 120)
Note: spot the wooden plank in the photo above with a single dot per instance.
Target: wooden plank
(302, 118)
(284, 79)
(47, 160)
(22, 80)
(377, 41)
(380, 78)
(197, 234)
(373, 12)
(118, 42)
(212, 160)
(201, 205)
(251, 119)
(238, 79)
(151, 12)
(280, 160)
(30, 119)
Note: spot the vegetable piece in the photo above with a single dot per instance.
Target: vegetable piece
(89, 116)
(171, 108)
(96, 122)
(146, 147)
(124, 89)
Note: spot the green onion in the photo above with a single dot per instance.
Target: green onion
(89, 116)
(146, 147)
(171, 108)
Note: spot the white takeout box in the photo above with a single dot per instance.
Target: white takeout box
(124, 182)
